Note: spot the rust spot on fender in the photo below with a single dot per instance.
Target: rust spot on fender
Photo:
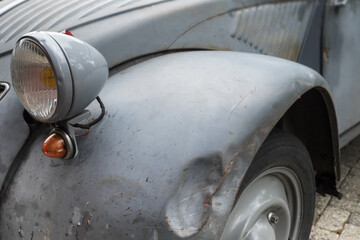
(207, 201)
(166, 220)
(227, 169)
(326, 54)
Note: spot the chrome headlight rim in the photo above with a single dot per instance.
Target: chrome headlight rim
(62, 72)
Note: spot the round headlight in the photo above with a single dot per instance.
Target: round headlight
(55, 75)
(34, 79)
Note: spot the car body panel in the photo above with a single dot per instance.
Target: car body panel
(27, 16)
(178, 133)
(136, 28)
(341, 69)
(266, 28)
(176, 128)
(13, 129)
(161, 26)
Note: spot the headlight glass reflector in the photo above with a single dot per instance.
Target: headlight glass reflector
(34, 79)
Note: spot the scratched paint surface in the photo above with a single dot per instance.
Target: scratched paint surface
(139, 167)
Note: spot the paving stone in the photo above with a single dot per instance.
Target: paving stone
(350, 154)
(350, 188)
(356, 170)
(321, 202)
(345, 204)
(350, 232)
(354, 219)
(336, 219)
(355, 142)
(333, 219)
(357, 165)
(321, 234)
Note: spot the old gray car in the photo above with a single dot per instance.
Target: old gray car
(171, 119)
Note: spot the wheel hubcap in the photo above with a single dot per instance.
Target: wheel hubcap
(269, 208)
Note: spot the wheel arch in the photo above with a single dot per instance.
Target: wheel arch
(312, 119)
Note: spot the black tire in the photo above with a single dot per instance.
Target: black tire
(284, 151)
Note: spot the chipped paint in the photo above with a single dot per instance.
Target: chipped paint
(194, 165)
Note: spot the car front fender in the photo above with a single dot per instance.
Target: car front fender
(217, 105)
(179, 133)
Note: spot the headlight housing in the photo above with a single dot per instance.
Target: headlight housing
(56, 76)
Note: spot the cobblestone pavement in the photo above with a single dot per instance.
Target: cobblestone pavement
(340, 219)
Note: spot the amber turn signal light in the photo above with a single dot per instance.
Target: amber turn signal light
(54, 146)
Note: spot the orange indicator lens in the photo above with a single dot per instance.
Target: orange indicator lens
(54, 146)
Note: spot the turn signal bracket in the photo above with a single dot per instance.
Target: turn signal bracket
(67, 132)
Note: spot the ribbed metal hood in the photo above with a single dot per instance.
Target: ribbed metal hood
(22, 16)
(126, 29)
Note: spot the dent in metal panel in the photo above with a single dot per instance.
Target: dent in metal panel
(198, 183)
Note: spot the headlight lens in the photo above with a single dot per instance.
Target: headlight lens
(34, 80)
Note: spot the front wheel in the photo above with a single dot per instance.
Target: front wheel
(277, 196)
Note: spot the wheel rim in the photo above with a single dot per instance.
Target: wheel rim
(270, 207)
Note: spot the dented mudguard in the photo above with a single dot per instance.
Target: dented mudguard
(166, 161)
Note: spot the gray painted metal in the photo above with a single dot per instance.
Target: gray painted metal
(89, 70)
(13, 129)
(338, 3)
(179, 129)
(311, 49)
(172, 121)
(136, 28)
(341, 69)
(57, 15)
(8, 6)
(267, 29)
